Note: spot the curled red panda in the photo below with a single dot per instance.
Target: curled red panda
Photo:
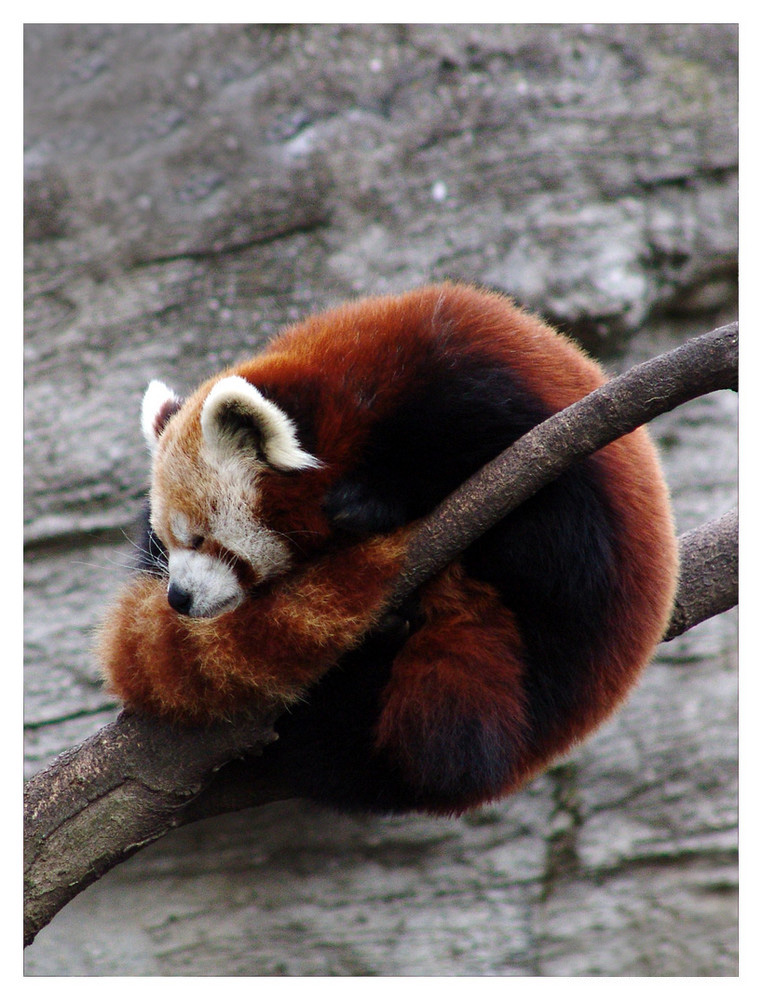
(282, 494)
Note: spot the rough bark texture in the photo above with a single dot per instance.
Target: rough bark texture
(708, 572)
(191, 188)
(85, 813)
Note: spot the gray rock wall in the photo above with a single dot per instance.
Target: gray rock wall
(188, 190)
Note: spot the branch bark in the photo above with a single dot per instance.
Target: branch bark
(124, 787)
(137, 779)
(708, 574)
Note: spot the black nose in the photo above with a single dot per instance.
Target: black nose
(179, 599)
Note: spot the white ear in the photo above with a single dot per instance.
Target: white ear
(237, 419)
(159, 403)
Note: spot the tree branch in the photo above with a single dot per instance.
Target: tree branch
(138, 778)
(703, 364)
(708, 574)
(121, 789)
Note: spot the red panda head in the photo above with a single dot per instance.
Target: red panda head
(210, 455)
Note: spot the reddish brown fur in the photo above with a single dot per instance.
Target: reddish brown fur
(282, 640)
(559, 373)
(269, 648)
(466, 659)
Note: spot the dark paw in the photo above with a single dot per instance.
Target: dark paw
(359, 509)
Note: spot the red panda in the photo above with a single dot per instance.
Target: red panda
(282, 494)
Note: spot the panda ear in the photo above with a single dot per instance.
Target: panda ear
(159, 403)
(237, 420)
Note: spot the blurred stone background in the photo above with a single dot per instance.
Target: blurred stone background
(190, 189)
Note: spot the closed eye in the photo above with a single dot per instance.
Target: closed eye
(196, 542)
